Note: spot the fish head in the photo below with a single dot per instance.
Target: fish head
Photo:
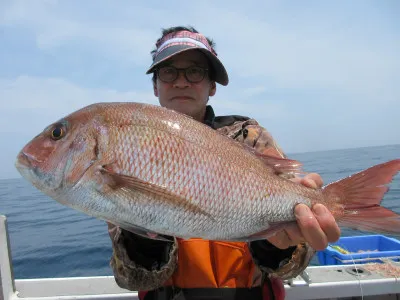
(56, 160)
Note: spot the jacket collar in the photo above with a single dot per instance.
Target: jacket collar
(209, 118)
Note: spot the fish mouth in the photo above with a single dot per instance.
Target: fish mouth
(23, 161)
(26, 166)
(27, 160)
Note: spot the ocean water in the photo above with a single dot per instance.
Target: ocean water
(51, 240)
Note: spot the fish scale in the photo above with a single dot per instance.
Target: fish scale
(153, 170)
(205, 189)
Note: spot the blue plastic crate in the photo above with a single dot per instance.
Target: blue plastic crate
(372, 246)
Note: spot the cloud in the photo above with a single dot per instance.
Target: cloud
(318, 76)
(54, 29)
(51, 99)
(296, 58)
(337, 55)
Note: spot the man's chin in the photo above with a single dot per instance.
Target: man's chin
(181, 105)
(184, 109)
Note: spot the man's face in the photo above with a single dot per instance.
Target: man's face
(182, 95)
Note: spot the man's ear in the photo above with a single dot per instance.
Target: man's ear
(213, 88)
(155, 89)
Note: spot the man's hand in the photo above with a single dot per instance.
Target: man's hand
(317, 227)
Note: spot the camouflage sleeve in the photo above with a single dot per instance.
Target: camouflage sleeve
(286, 263)
(252, 134)
(139, 263)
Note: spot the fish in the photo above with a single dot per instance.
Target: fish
(159, 173)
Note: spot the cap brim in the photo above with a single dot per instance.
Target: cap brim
(220, 74)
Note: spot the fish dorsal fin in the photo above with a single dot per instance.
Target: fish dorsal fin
(281, 165)
(132, 184)
(272, 158)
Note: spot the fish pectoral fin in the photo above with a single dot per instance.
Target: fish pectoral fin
(131, 183)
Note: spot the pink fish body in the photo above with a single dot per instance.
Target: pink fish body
(155, 171)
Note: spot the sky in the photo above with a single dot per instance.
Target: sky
(318, 75)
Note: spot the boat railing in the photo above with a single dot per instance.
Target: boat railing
(79, 288)
(318, 282)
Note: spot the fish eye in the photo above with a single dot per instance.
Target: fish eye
(57, 133)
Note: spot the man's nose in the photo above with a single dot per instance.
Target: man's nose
(181, 81)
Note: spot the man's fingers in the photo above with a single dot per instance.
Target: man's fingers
(316, 178)
(295, 235)
(311, 180)
(317, 227)
(281, 240)
(310, 228)
(288, 237)
(309, 183)
(327, 222)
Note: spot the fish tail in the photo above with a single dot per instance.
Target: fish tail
(355, 200)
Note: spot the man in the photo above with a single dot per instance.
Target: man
(185, 72)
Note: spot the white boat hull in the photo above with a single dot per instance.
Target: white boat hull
(318, 282)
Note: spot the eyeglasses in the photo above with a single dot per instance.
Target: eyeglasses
(193, 74)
